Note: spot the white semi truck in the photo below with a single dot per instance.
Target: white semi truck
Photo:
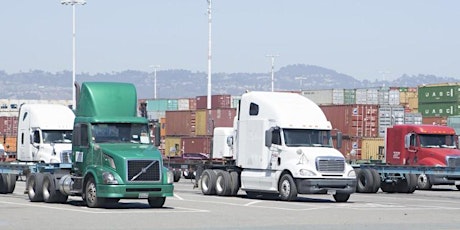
(280, 146)
(45, 133)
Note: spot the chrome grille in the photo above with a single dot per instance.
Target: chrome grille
(453, 161)
(330, 164)
(144, 170)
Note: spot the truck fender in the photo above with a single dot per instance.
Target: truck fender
(431, 162)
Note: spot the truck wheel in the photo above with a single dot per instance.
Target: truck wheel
(458, 187)
(407, 185)
(177, 175)
(91, 198)
(341, 197)
(35, 187)
(156, 202)
(235, 183)
(208, 182)
(223, 183)
(423, 182)
(11, 181)
(365, 182)
(3, 184)
(377, 180)
(50, 193)
(387, 187)
(287, 188)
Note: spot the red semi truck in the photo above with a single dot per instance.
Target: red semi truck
(415, 156)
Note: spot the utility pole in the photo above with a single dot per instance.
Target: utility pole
(209, 55)
(273, 71)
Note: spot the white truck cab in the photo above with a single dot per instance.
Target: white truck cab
(45, 133)
(283, 145)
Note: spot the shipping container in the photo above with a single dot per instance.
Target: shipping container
(434, 120)
(440, 93)
(180, 123)
(353, 120)
(320, 97)
(389, 116)
(393, 96)
(368, 96)
(9, 143)
(439, 109)
(208, 119)
(186, 104)
(349, 148)
(201, 144)
(156, 115)
(8, 126)
(413, 118)
(162, 104)
(338, 97)
(349, 96)
(172, 146)
(162, 126)
(454, 122)
(383, 96)
(217, 102)
(371, 149)
(235, 101)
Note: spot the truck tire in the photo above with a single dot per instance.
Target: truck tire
(3, 183)
(208, 182)
(423, 182)
(156, 202)
(408, 185)
(11, 180)
(387, 187)
(35, 187)
(91, 198)
(365, 181)
(223, 183)
(235, 183)
(377, 180)
(341, 197)
(50, 193)
(287, 188)
(177, 175)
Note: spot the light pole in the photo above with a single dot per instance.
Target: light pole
(155, 80)
(273, 72)
(209, 55)
(73, 3)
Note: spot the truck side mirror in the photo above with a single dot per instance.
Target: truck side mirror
(339, 140)
(407, 140)
(230, 141)
(268, 137)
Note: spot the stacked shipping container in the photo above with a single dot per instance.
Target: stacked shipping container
(438, 102)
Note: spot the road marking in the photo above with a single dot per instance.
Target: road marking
(178, 197)
(116, 210)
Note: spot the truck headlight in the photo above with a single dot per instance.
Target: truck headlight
(352, 173)
(170, 177)
(109, 178)
(306, 172)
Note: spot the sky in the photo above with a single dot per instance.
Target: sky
(361, 38)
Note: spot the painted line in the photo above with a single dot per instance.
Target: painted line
(178, 197)
(102, 211)
(251, 203)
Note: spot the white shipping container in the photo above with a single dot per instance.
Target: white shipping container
(361, 96)
(389, 116)
(393, 97)
(320, 97)
(156, 115)
(338, 96)
(384, 96)
(183, 104)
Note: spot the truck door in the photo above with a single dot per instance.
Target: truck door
(275, 148)
(411, 145)
(80, 146)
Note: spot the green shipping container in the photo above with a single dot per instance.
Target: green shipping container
(349, 96)
(439, 94)
(439, 109)
(162, 104)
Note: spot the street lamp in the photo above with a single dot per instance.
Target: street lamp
(273, 72)
(155, 79)
(73, 3)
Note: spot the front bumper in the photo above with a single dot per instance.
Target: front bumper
(322, 186)
(134, 191)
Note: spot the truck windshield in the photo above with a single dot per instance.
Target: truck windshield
(57, 136)
(120, 133)
(437, 141)
(307, 137)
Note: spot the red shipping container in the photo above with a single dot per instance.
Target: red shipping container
(353, 120)
(200, 144)
(179, 123)
(434, 120)
(217, 102)
(8, 126)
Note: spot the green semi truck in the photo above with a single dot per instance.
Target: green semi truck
(112, 155)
